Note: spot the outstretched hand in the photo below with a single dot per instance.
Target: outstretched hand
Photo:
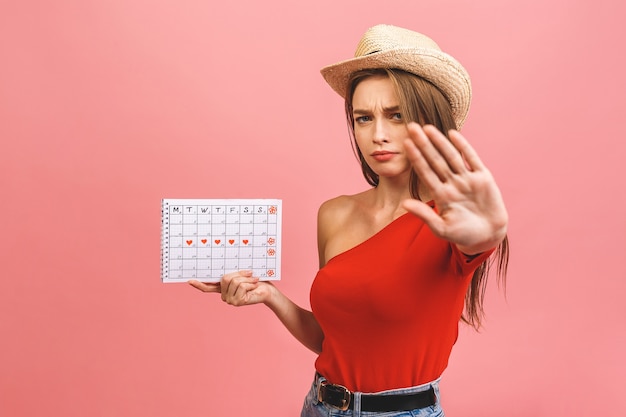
(470, 211)
(237, 288)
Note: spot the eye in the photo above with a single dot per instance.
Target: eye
(362, 119)
(396, 116)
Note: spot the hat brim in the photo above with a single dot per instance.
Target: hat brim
(437, 67)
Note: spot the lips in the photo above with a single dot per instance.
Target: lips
(382, 156)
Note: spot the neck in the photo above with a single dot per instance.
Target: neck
(389, 195)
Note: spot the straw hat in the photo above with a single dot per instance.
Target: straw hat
(386, 46)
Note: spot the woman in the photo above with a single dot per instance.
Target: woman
(400, 261)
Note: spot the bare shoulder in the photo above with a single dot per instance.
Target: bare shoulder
(333, 220)
(338, 210)
(337, 207)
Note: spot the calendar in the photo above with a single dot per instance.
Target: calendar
(203, 239)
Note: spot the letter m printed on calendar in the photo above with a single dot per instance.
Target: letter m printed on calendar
(203, 239)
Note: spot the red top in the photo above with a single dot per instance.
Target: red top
(390, 308)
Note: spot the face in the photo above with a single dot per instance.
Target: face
(379, 128)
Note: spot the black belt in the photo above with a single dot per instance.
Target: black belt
(340, 397)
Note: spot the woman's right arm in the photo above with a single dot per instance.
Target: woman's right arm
(300, 322)
(241, 288)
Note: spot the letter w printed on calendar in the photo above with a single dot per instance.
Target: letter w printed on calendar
(203, 239)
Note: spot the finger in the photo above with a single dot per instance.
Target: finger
(242, 273)
(425, 157)
(205, 286)
(238, 285)
(469, 153)
(427, 214)
(243, 293)
(420, 165)
(447, 149)
(228, 278)
(436, 150)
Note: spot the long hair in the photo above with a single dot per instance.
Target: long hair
(422, 102)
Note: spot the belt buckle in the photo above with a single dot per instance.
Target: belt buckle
(335, 393)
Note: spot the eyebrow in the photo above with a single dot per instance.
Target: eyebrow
(392, 109)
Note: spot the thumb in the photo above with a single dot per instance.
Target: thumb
(426, 213)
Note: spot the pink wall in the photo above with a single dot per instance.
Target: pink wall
(108, 106)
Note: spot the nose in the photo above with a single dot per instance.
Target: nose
(380, 132)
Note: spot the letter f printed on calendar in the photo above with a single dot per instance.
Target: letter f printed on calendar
(203, 239)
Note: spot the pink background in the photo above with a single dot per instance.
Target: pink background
(108, 106)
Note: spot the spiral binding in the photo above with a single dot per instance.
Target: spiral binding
(165, 243)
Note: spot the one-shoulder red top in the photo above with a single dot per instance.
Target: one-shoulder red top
(390, 307)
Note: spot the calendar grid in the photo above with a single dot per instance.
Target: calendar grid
(204, 239)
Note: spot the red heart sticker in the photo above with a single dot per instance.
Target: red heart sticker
(231, 241)
(203, 241)
(189, 242)
(217, 241)
(245, 241)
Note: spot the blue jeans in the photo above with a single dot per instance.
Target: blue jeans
(313, 408)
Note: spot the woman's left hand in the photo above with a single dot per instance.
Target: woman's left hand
(470, 211)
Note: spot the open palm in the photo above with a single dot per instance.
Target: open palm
(470, 211)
